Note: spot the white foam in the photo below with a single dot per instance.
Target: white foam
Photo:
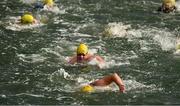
(34, 95)
(3, 96)
(59, 75)
(114, 60)
(112, 63)
(57, 21)
(81, 35)
(28, 1)
(133, 85)
(162, 37)
(32, 58)
(54, 9)
(178, 6)
(116, 30)
(165, 39)
(51, 51)
(95, 62)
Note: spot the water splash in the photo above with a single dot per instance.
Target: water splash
(28, 1)
(55, 9)
(162, 37)
(59, 75)
(14, 24)
(178, 5)
(32, 58)
(133, 85)
(116, 30)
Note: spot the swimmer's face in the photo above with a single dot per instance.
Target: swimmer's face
(80, 57)
(168, 5)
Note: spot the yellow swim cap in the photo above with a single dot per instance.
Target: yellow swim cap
(87, 88)
(169, 2)
(82, 49)
(27, 19)
(48, 2)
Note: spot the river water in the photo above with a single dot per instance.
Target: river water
(140, 47)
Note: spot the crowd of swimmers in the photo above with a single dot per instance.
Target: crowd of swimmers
(82, 52)
(166, 7)
(28, 18)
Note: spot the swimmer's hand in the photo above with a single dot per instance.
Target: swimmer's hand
(122, 88)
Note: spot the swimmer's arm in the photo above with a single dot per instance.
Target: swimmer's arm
(101, 62)
(100, 59)
(73, 60)
(108, 80)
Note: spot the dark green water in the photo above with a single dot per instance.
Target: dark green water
(33, 64)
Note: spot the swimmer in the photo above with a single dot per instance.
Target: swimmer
(168, 6)
(105, 81)
(83, 56)
(115, 30)
(46, 3)
(27, 18)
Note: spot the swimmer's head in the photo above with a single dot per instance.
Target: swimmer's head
(82, 49)
(27, 19)
(169, 3)
(87, 89)
(48, 2)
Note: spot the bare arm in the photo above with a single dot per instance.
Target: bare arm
(100, 59)
(73, 60)
(108, 80)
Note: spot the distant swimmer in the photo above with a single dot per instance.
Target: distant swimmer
(115, 30)
(82, 56)
(46, 3)
(168, 6)
(28, 18)
(25, 21)
(104, 82)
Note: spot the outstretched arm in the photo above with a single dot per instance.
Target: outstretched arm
(100, 59)
(108, 80)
